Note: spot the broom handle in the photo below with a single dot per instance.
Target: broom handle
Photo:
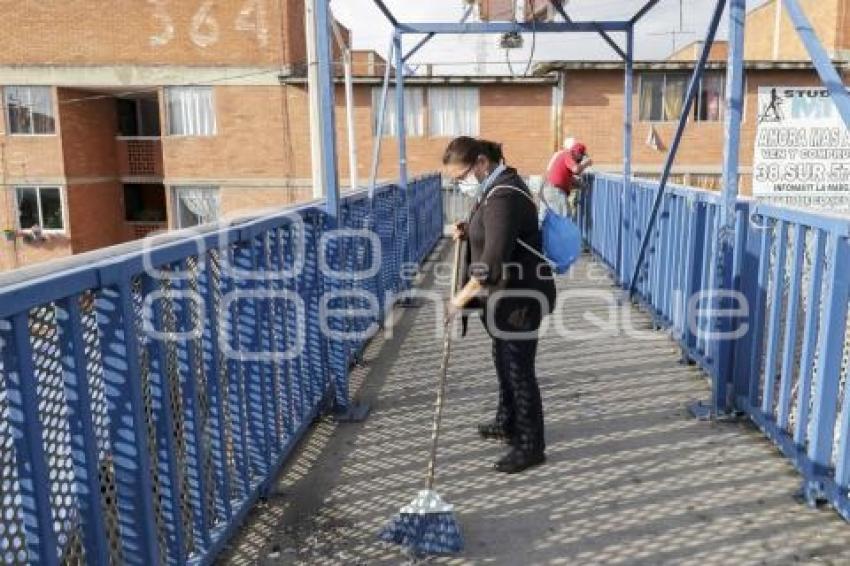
(444, 368)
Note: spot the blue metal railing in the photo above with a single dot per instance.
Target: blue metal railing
(147, 400)
(783, 360)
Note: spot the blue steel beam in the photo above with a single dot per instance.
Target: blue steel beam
(602, 32)
(386, 11)
(507, 27)
(830, 77)
(693, 88)
(401, 131)
(326, 105)
(431, 35)
(626, 222)
(643, 11)
(729, 197)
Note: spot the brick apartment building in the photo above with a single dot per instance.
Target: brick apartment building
(775, 56)
(166, 114)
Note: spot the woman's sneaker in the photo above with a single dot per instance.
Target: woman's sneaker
(517, 461)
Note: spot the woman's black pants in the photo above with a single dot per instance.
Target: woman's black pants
(520, 410)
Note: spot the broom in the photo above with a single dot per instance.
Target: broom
(428, 525)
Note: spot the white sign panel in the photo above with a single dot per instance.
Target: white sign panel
(802, 149)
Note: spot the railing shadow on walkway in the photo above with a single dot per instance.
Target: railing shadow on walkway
(149, 393)
(631, 479)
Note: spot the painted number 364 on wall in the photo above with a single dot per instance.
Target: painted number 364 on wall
(204, 28)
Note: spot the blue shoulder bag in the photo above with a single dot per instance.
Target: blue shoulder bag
(561, 237)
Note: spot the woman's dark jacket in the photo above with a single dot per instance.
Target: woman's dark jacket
(499, 219)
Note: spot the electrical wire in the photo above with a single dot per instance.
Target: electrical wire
(533, 45)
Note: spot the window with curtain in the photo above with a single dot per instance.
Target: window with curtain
(712, 91)
(29, 110)
(414, 112)
(191, 111)
(40, 206)
(197, 204)
(652, 98)
(675, 87)
(662, 96)
(453, 111)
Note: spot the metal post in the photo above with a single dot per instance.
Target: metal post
(626, 228)
(729, 199)
(830, 77)
(401, 132)
(693, 88)
(313, 99)
(353, 181)
(382, 112)
(326, 106)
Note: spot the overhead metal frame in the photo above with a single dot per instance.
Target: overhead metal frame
(734, 102)
(432, 29)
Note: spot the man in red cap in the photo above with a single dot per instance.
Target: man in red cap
(563, 173)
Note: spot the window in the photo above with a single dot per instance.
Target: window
(414, 112)
(453, 111)
(138, 117)
(195, 205)
(711, 94)
(40, 206)
(30, 110)
(191, 111)
(144, 203)
(662, 96)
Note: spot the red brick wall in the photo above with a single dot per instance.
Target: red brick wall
(94, 193)
(519, 116)
(593, 112)
(823, 14)
(96, 215)
(89, 126)
(184, 32)
(250, 141)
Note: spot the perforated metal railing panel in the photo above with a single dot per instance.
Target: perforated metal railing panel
(147, 400)
(788, 368)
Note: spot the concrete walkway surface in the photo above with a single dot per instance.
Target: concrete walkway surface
(630, 478)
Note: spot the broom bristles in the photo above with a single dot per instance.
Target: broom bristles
(425, 533)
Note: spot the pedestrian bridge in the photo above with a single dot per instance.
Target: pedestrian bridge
(173, 401)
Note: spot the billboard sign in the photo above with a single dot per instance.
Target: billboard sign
(802, 149)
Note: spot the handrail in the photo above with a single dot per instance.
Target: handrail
(149, 393)
(786, 313)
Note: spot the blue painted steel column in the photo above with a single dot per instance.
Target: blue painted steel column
(626, 195)
(729, 199)
(326, 105)
(693, 88)
(401, 133)
(821, 59)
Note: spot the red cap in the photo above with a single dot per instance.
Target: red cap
(578, 151)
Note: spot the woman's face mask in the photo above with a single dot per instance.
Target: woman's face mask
(470, 185)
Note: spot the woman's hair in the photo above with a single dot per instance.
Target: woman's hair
(465, 150)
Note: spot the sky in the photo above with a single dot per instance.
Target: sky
(459, 54)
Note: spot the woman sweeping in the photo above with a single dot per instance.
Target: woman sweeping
(510, 280)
